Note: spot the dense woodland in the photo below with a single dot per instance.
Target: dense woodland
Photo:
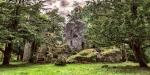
(101, 31)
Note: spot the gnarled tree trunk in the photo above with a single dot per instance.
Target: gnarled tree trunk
(139, 54)
(7, 54)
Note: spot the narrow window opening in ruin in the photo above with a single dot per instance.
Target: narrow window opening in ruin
(75, 35)
(71, 43)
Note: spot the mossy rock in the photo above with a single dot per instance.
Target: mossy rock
(87, 55)
(111, 56)
(91, 55)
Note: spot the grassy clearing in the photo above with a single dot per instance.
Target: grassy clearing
(74, 69)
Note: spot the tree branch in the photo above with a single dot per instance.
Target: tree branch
(1, 50)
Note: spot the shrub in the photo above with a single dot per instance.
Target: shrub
(61, 61)
(147, 53)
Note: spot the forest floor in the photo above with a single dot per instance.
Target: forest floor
(75, 69)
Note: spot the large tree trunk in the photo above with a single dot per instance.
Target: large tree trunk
(7, 53)
(140, 57)
(21, 56)
(34, 48)
(27, 52)
(18, 57)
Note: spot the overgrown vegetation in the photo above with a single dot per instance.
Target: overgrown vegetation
(100, 37)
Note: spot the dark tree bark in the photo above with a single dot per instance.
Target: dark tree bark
(135, 45)
(33, 50)
(134, 9)
(7, 54)
(21, 55)
(18, 57)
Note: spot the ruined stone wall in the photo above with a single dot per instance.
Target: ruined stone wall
(74, 34)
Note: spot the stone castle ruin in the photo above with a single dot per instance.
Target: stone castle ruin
(74, 34)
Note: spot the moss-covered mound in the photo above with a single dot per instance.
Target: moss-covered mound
(87, 55)
(111, 55)
(91, 55)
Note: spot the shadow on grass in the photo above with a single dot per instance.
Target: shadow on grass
(126, 69)
(12, 65)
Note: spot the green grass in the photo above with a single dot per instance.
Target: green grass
(74, 69)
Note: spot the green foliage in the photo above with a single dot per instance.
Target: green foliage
(53, 34)
(147, 52)
(18, 46)
(23, 19)
(1, 45)
(15, 20)
(111, 22)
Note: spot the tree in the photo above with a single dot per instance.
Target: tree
(25, 20)
(8, 26)
(19, 19)
(114, 22)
